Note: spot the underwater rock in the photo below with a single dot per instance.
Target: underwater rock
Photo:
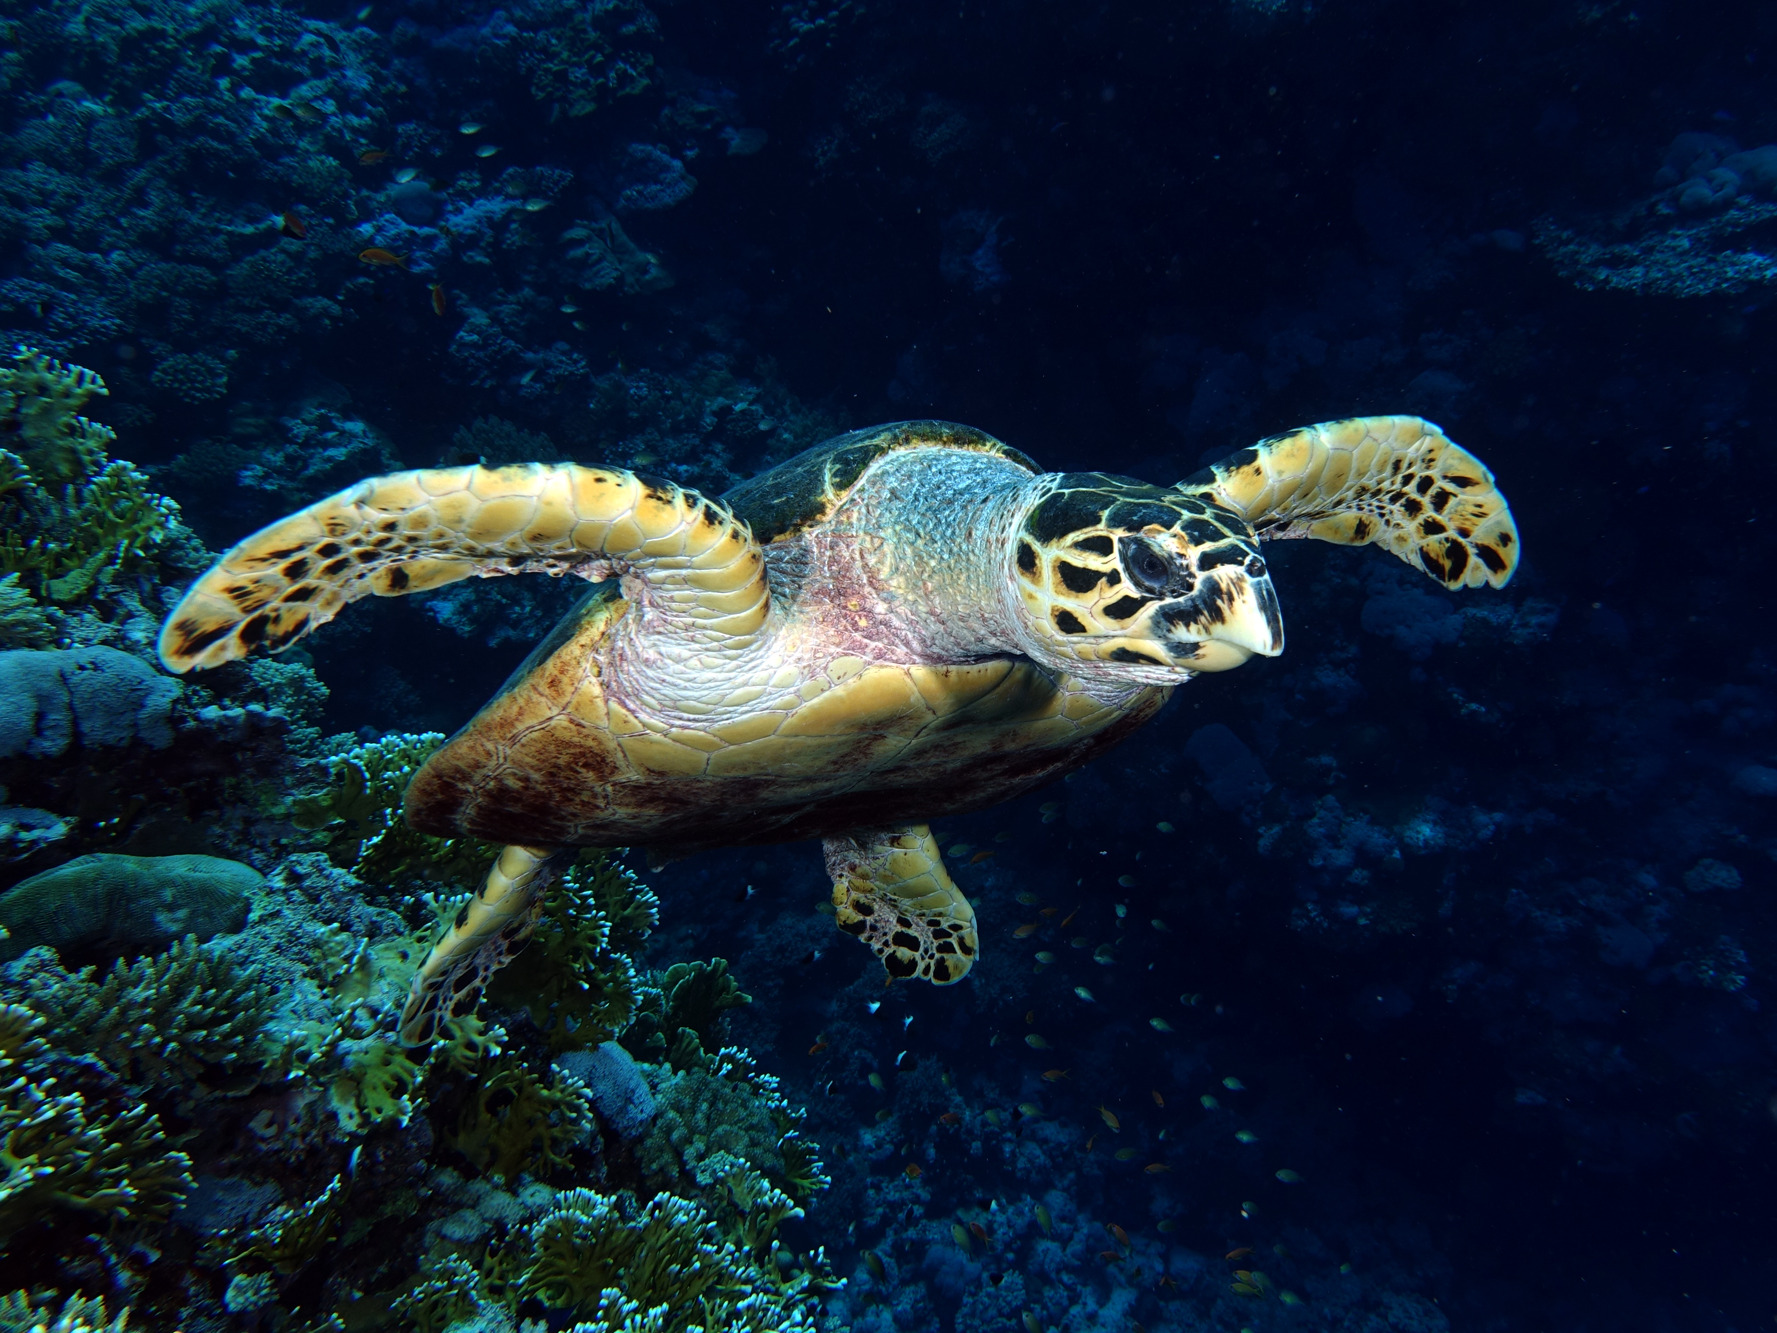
(25, 831)
(121, 906)
(50, 698)
(620, 1094)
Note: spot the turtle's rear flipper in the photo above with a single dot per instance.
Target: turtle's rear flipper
(490, 929)
(1395, 481)
(891, 890)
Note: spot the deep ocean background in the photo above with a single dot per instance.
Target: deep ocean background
(1472, 893)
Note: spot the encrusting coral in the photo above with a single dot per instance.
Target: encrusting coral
(126, 905)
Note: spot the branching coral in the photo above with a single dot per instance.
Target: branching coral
(59, 1152)
(296, 1234)
(71, 519)
(360, 811)
(20, 1312)
(516, 1121)
(680, 1011)
(23, 623)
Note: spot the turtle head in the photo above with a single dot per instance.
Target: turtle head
(1119, 580)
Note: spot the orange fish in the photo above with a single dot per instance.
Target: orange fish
(1028, 928)
(371, 156)
(438, 298)
(913, 1172)
(1107, 1256)
(979, 1230)
(1030, 1015)
(1156, 1168)
(1241, 1253)
(1054, 1075)
(1158, 1099)
(1069, 917)
(979, 857)
(1049, 911)
(1092, 1139)
(1166, 1280)
(950, 1118)
(380, 258)
(291, 225)
(1117, 1231)
(820, 1044)
(1110, 1118)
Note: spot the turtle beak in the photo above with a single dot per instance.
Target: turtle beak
(1231, 616)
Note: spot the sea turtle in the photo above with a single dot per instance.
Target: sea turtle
(904, 622)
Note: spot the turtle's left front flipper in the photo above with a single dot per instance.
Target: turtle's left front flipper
(1395, 481)
(891, 890)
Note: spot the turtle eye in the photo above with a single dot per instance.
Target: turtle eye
(1146, 566)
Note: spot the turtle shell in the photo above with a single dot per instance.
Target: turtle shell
(554, 760)
(802, 492)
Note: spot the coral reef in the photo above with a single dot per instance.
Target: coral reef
(121, 906)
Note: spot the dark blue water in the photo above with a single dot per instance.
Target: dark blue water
(1424, 971)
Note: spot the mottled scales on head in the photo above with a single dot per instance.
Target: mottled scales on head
(1119, 570)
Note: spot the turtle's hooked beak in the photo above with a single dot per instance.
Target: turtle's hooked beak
(1230, 615)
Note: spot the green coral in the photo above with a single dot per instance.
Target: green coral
(360, 813)
(680, 1012)
(167, 1021)
(515, 1121)
(72, 519)
(59, 1152)
(23, 1312)
(577, 981)
(295, 1234)
(728, 1134)
(447, 1290)
(23, 623)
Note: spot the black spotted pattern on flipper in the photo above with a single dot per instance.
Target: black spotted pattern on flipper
(890, 889)
(1398, 482)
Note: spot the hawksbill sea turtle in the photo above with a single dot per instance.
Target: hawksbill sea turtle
(904, 622)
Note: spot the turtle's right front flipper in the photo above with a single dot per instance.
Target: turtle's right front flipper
(491, 928)
(413, 531)
(891, 890)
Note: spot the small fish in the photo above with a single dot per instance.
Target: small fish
(876, 1081)
(406, 174)
(1191, 999)
(884, 1116)
(978, 1231)
(1233, 1084)
(308, 111)
(380, 258)
(1245, 1136)
(438, 298)
(1054, 1075)
(873, 1261)
(1027, 898)
(1035, 1041)
(1345, 1268)
(1210, 1103)
(292, 226)
(1160, 1025)
(1122, 909)
(1241, 1253)
(820, 1044)
(1049, 911)
(487, 150)
(1066, 920)
(1049, 807)
(1030, 1015)
(979, 857)
(1289, 1177)
(994, 1117)
(960, 849)
(1167, 1227)
(1031, 1323)
(1249, 1210)
(872, 1005)
(1077, 942)
(1287, 1297)
(1158, 1099)
(1117, 1231)
(371, 156)
(1104, 955)
(1160, 926)
(1030, 1110)
(1091, 1139)
(907, 1022)
(1110, 1118)
(960, 1236)
(1083, 993)
(1046, 1222)
(1127, 1154)
(1127, 881)
(568, 308)
(913, 1171)
(1244, 1289)
(1156, 1168)
(1107, 1256)
(950, 1118)
(1045, 957)
(1164, 827)
(1025, 931)
(471, 127)
(536, 205)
